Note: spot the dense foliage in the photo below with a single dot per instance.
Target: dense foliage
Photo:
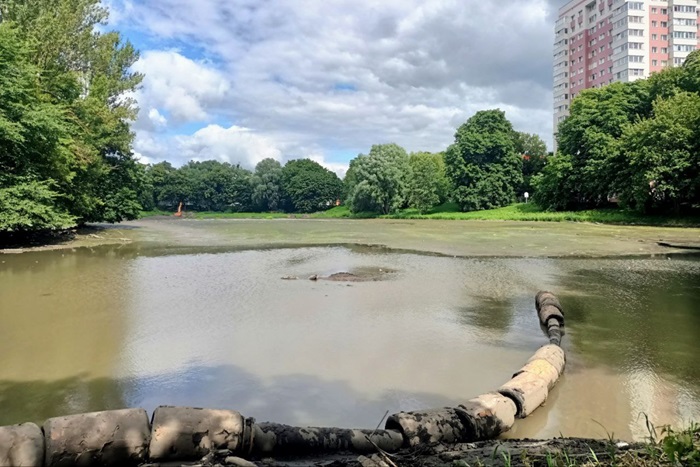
(266, 186)
(65, 143)
(638, 143)
(483, 164)
(302, 185)
(427, 185)
(485, 168)
(379, 179)
(309, 187)
(534, 154)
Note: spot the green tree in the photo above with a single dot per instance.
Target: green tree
(379, 180)
(591, 138)
(554, 185)
(73, 126)
(29, 205)
(34, 144)
(427, 181)
(533, 152)
(215, 186)
(483, 164)
(266, 186)
(664, 156)
(309, 187)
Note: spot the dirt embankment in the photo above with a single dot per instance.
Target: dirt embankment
(90, 236)
(531, 453)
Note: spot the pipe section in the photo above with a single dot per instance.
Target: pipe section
(21, 445)
(274, 438)
(187, 433)
(115, 437)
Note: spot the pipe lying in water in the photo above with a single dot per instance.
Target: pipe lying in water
(273, 438)
(551, 316)
(490, 415)
(122, 437)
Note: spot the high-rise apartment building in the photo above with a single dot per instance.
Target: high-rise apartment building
(598, 42)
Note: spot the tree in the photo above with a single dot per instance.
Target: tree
(379, 180)
(266, 185)
(66, 108)
(482, 164)
(590, 136)
(215, 186)
(554, 185)
(427, 182)
(533, 151)
(34, 145)
(637, 142)
(664, 156)
(309, 187)
(29, 205)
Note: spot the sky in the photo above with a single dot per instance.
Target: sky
(242, 80)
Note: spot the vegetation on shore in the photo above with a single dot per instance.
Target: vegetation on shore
(637, 142)
(65, 141)
(450, 211)
(66, 153)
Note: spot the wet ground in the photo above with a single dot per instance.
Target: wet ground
(197, 313)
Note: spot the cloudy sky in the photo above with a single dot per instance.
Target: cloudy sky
(242, 80)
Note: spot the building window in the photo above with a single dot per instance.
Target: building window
(654, 63)
(684, 8)
(684, 35)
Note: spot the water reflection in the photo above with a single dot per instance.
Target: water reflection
(144, 325)
(36, 400)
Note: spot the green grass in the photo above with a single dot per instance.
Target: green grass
(450, 211)
(240, 215)
(532, 212)
(678, 448)
(155, 212)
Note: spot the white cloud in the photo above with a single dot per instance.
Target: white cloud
(339, 168)
(156, 118)
(337, 75)
(188, 90)
(236, 145)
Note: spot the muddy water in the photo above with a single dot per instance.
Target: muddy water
(152, 323)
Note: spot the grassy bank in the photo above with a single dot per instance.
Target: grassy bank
(532, 212)
(449, 211)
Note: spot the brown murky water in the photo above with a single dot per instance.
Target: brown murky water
(204, 321)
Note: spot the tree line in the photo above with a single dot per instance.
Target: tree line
(488, 166)
(636, 144)
(301, 185)
(66, 146)
(65, 141)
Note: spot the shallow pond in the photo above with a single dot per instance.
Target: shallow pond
(145, 325)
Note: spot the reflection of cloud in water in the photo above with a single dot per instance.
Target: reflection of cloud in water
(293, 399)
